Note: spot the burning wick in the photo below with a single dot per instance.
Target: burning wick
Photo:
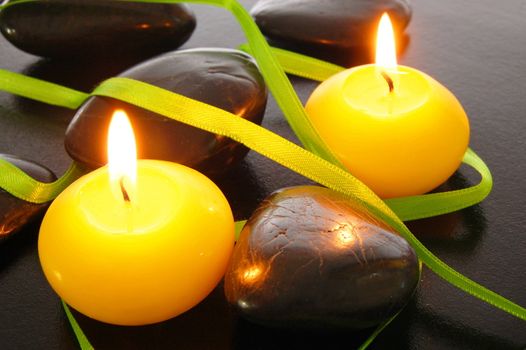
(388, 80)
(125, 194)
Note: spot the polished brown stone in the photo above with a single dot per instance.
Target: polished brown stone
(228, 79)
(15, 212)
(88, 28)
(328, 23)
(310, 258)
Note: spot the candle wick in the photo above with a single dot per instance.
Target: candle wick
(125, 194)
(389, 81)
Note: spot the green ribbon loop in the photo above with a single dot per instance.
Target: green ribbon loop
(301, 65)
(40, 90)
(428, 205)
(23, 186)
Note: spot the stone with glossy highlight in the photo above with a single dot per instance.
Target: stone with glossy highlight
(310, 258)
(227, 79)
(328, 23)
(89, 28)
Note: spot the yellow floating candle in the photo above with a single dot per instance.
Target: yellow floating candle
(136, 249)
(395, 128)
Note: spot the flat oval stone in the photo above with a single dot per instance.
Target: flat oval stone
(228, 79)
(328, 23)
(310, 258)
(87, 28)
(15, 212)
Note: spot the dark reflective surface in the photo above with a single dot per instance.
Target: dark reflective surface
(89, 28)
(227, 79)
(475, 48)
(309, 258)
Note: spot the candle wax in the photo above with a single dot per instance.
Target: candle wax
(402, 142)
(139, 262)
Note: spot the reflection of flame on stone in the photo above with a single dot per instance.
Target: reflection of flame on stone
(251, 274)
(345, 236)
(241, 110)
(12, 220)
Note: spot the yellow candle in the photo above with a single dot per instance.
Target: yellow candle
(133, 253)
(395, 128)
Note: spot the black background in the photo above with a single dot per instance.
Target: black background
(476, 48)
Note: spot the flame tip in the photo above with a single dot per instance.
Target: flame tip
(122, 154)
(385, 43)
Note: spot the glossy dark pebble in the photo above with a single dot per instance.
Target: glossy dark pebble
(228, 79)
(87, 28)
(14, 212)
(328, 23)
(309, 258)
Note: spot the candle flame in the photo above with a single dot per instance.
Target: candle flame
(122, 156)
(385, 44)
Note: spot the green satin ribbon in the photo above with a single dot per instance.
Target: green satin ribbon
(325, 170)
(23, 186)
(81, 337)
(42, 91)
(301, 65)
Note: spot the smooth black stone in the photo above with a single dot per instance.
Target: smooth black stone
(88, 28)
(328, 23)
(310, 258)
(15, 212)
(228, 79)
